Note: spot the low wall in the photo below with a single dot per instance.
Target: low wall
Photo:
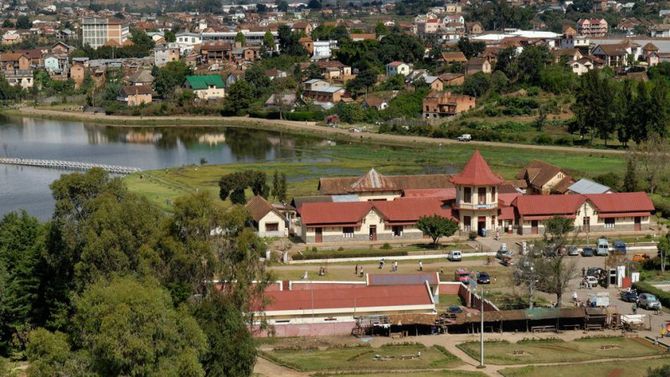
(309, 329)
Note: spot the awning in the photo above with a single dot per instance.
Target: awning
(547, 217)
(623, 214)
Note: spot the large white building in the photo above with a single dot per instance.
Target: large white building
(97, 32)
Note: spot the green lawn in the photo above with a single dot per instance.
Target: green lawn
(556, 351)
(391, 357)
(163, 186)
(443, 373)
(630, 368)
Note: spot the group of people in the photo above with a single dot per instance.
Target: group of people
(358, 269)
(394, 265)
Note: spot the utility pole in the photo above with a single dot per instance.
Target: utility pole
(481, 331)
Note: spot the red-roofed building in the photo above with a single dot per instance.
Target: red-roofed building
(369, 220)
(477, 195)
(331, 309)
(629, 211)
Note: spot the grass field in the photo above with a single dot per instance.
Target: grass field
(557, 351)
(443, 373)
(628, 368)
(360, 359)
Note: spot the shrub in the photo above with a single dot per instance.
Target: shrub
(386, 246)
(472, 235)
(349, 254)
(543, 139)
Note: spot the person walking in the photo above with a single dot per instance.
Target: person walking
(420, 266)
(356, 270)
(395, 266)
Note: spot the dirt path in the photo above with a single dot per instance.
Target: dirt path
(266, 368)
(311, 128)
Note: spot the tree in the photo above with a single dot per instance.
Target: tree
(663, 248)
(50, 354)
(436, 226)
(663, 371)
(314, 4)
(269, 41)
(23, 22)
(232, 350)
(477, 85)
(170, 36)
(531, 62)
(312, 72)
(363, 81)
(652, 158)
(282, 6)
(142, 42)
(625, 122)
(259, 81)
(170, 77)
(506, 62)
(279, 186)
(7, 23)
(289, 42)
(402, 47)
(594, 106)
(240, 38)
(470, 49)
(381, 29)
(132, 328)
(233, 185)
(240, 95)
(22, 241)
(630, 178)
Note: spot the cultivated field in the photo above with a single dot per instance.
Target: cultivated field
(623, 368)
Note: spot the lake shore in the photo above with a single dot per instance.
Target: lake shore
(296, 127)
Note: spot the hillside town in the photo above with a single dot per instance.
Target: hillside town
(433, 188)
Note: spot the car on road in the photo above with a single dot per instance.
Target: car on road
(503, 252)
(629, 296)
(455, 256)
(587, 251)
(619, 247)
(464, 137)
(573, 251)
(648, 301)
(483, 278)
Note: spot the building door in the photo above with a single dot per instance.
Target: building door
(534, 229)
(373, 233)
(318, 235)
(586, 224)
(638, 223)
(481, 225)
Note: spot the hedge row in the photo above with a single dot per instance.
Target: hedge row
(332, 254)
(663, 296)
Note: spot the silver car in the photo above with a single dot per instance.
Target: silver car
(648, 301)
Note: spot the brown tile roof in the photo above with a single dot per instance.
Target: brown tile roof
(453, 56)
(258, 207)
(538, 173)
(476, 173)
(133, 90)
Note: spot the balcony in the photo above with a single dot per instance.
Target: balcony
(477, 206)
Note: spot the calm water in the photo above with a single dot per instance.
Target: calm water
(146, 148)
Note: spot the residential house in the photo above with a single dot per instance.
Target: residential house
(581, 66)
(206, 87)
(13, 61)
(307, 43)
(141, 77)
(136, 95)
(321, 91)
(187, 41)
(267, 219)
(20, 78)
(475, 65)
(62, 48)
(580, 42)
(434, 82)
(474, 28)
(445, 104)
(77, 74)
(11, 38)
(397, 68)
(357, 37)
(166, 53)
(97, 32)
(303, 27)
(566, 54)
(52, 64)
(323, 49)
(587, 186)
(592, 27)
(543, 178)
(452, 79)
(617, 55)
(374, 102)
(281, 101)
(453, 57)
(334, 70)
(660, 31)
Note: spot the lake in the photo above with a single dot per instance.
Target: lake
(146, 148)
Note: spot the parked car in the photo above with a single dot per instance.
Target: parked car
(619, 247)
(462, 275)
(629, 296)
(592, 281)
(587, 252)
(464, 137)
(603, 247)
(573, 251)
(503, 252)
(648, 301)
(483, 278)
(640, 258)
(455, 256)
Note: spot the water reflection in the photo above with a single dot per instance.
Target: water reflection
(143, 147)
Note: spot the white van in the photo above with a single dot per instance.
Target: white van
(602, 250)
(455, 256)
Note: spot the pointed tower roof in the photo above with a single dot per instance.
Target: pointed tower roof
(373, 181)
(476, 173)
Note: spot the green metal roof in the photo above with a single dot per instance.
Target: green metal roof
(203, 82)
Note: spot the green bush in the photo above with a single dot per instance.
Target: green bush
(386, 246)
(663, 296)
(349, 254)
(543, 139)
(305, 116)
(472, 235)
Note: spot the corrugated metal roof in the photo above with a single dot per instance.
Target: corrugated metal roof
(587, 186)
(403, 279)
